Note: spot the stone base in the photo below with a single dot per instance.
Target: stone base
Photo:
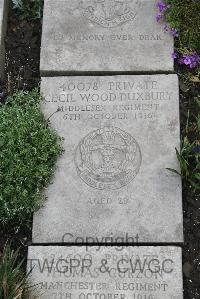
(60, 272)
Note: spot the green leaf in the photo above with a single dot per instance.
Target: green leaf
(173, 170)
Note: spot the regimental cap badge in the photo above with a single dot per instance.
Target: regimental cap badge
(108, 158)
(110, 13)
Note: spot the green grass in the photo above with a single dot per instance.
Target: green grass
(28, 153)
(13, 278)
(189, 155)
(184, 15)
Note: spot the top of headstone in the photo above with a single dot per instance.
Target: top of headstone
(103, 36)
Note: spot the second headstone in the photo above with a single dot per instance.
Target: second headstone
(120, 135)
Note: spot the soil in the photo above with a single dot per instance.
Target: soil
(22, 72)
(191, 204)
(22, 53)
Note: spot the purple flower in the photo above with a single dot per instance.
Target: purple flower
(174, 32)
(162, 6)
(174, 55)
(181, 60)
(165, 28)
(187, 59)
(194, 60)
(159, 17)
(191, 60)
(193, 64)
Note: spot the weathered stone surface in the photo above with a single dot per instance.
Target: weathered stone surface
(120, 136)
(3, 23)
(104, 35)
(105, 272)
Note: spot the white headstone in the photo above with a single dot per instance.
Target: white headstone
(105, 272)
(103, 36)
(120, 135)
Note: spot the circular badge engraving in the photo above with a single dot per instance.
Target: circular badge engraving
(109, 13)
(108, 158)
